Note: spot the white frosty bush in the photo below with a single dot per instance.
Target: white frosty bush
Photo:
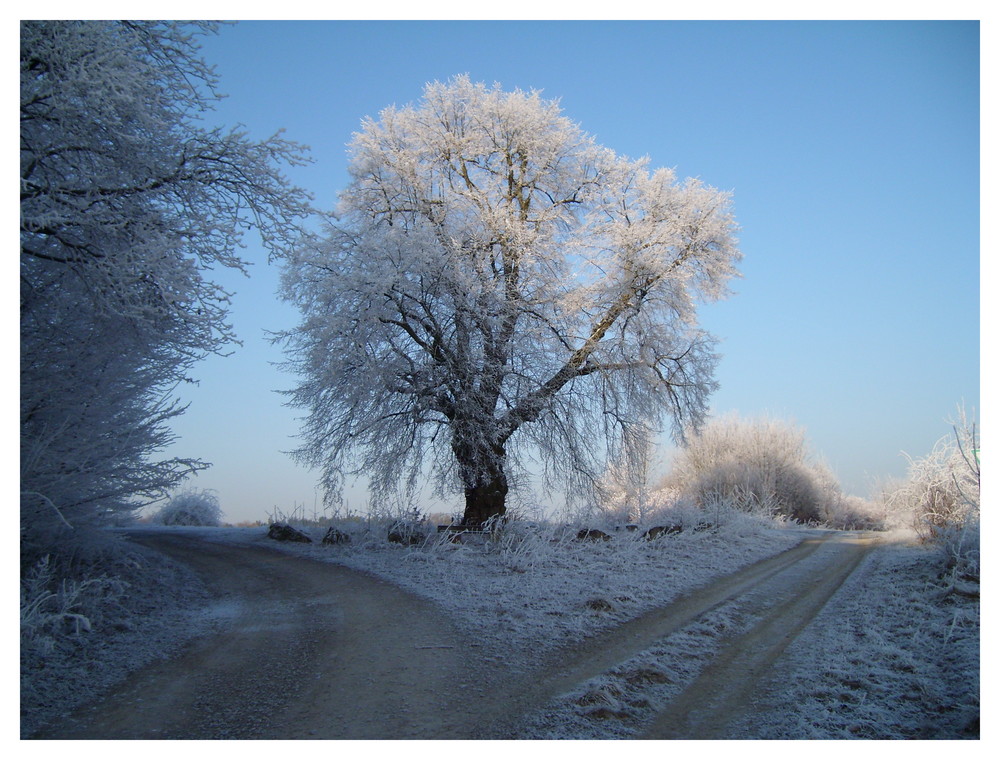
(855, 513)
(760, 464)
(191, 508)
(940, 498)
(944, 485)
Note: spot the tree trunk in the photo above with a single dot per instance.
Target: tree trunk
(482, 469)
(485, 501)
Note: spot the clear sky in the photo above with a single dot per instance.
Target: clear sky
(851, 149)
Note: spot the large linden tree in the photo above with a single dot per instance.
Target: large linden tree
(496, 290)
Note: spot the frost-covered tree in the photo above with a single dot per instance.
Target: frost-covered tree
(127, 198)
(624, 490)
(497, 286)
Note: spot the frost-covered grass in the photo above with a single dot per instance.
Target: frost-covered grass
(619, 704)
(893, 655)
(536, 587)
(85, 625)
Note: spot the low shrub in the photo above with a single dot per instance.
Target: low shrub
(942, 488)
(757, 465)
(54, 608)
(191, 508)
(844, 512)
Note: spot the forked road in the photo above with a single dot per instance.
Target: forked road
(317, 651)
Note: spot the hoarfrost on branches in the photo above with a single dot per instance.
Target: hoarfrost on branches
(191, 507)
(497, 286)
(126, 200)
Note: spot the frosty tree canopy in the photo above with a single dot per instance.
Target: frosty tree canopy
(496, 284)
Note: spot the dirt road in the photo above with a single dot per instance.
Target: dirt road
(311, 651)
(723, 692)
(317, 651)
(782, 594)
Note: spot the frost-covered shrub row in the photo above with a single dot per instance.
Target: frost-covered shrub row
(754, 465)
(191, 508)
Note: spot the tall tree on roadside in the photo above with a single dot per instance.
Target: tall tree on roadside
(496, 287)
(126, 200)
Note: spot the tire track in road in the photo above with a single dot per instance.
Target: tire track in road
(602, 652)
(723, 692)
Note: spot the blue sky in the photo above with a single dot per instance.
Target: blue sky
(851, 150)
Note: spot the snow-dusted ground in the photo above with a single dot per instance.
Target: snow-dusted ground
(886, 659)
(889, 657)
